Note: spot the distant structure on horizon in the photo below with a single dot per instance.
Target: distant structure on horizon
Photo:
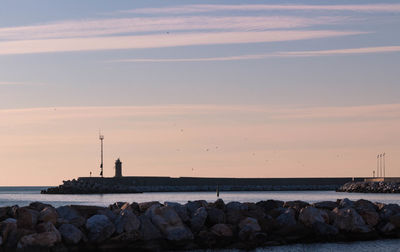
(118, 168)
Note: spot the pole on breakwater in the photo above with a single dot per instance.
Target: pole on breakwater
(101, 137)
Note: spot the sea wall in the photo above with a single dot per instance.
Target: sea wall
(85, 185)
(370, 187)
(153, 226)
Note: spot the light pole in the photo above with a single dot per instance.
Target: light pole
(101, 137)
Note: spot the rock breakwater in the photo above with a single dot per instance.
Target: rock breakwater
(155, 226)
(370, 187)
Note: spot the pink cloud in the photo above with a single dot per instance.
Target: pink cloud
(200, 8)
(160, 41)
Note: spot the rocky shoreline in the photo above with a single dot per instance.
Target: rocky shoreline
(152, 226)
(370, 187)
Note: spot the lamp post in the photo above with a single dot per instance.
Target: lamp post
(101, 137)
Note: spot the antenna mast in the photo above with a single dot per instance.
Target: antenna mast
(101, 137)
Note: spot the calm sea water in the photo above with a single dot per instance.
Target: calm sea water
(24, 195)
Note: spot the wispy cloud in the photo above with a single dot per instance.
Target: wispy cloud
(102, 27)
(364, 50)
(160, 41)
(202, 8)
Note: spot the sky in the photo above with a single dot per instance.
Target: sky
(198, 88)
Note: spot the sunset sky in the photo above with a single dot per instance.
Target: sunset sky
(190, 88)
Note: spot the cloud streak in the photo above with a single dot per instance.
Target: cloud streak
(162, 41)
(104, 27)
(203, 8)
(349, 51)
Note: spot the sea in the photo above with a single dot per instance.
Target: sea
(23, 196)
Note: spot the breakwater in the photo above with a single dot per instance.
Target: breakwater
(88, 185)
(370, 187)
(155, 226)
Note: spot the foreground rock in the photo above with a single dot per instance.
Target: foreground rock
(152, 226)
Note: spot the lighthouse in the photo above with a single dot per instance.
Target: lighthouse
(118, 168)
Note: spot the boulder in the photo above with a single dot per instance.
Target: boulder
(48, 227)
(236, 206)
(7, 227)
(329, 205)
(87, 211)
(168, 222)
(126, 221)
(147, 230)
(38, 206)
(248, 227)
(220, 204)
(251, 223)
(297, 205)
(367, 210)
(70, 234)
(48, 214)
(1, 241)
(389, 210)
(71, 215)
(287, 218)
(387, 229)
(198, 219)
(268, 205)
(347, 219)
(100, 228)
(146, 205)
(181, 210)
(4, 213)
(395, 220)
(234, 216)
(323, 229)
(310, 215)
(345, 203)
(45, 239)
(27, 218)
(110, 214)
(192, 206)
(215, 216)
(222, 230)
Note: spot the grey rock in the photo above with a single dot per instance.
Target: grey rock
(192, 206)
(27, 218)
(147, 230)
(310, 215)
(48, 214)
(168, 222)
(48, 227)
(181, 210)
(395, 220)
(198, 219)
(215, 216)
(329, 205)
(287, 218)
(349, 220)
(100, 228)
(389, 210)
(222, 230)
(251, 223)
(71, 215)
(234, 205)
(70, 234)
(46, 239)
(323, 229)
(126, 221)
(144, 206)
(346, 203)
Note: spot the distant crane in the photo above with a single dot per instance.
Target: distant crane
(101, 137)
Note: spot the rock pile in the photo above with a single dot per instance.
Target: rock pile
(77, 186)
(153, 226)
(370, 187)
